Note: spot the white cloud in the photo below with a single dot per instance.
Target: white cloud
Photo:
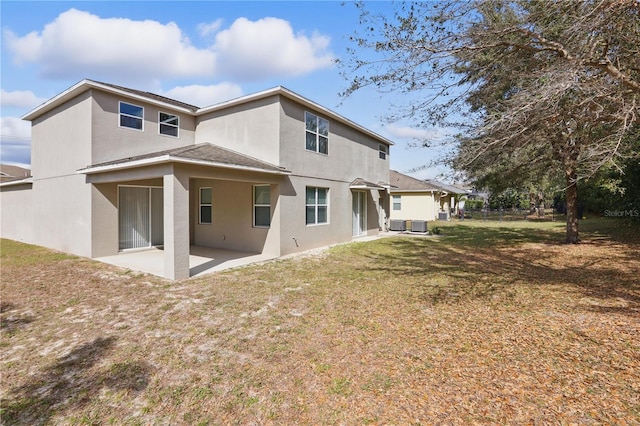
(206, 29)
(436, 134)
(203, 96)
(15, 141)
(14, 128)
(19, 99)
(78, 44)
(269, 47)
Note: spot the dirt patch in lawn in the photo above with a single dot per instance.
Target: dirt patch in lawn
(486, 324)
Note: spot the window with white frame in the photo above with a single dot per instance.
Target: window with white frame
(131, 116)
(382, 151)
(317, 204)
(316, 133)
(206, 206)
(168, 124)
(397, 202)
(262, 206)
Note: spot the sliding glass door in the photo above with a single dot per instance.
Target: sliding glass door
(140, 217)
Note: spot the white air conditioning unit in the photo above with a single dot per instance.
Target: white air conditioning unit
(398, 225)
(418, 226)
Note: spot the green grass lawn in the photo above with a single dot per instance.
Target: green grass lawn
(488, 323)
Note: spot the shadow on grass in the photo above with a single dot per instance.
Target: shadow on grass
(71, 383)
(11, 323)
(494, 236)
(481, 262)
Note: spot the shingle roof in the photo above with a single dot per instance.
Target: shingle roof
(150, 95)
(9, 172)
(446, 187)
(204, 153)
(403, 182)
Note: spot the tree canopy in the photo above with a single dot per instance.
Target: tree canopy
(539, 89)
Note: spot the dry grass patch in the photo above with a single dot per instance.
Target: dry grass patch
(488, 324)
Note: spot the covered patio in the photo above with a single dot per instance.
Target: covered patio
(202, 260)
(155, 200)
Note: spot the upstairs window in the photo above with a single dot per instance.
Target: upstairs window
(382, 151)
(131, 116)
(317, 133)
(317, 206)
(261, 206)
(168, 124)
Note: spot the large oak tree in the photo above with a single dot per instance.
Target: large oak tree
(538, 88)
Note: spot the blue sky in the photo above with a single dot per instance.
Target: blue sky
(200, 52)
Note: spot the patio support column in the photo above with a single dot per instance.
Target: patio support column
(176, 225)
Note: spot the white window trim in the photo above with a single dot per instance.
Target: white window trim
(393, 202)
(317, 134)
(261, 205)
(132, 116)
(316, 205)
(200, 205)
(383, 151)
(170, 125)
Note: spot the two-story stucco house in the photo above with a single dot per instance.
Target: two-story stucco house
(116, 169)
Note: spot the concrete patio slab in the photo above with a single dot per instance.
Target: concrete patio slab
(202, 260)
(206, 260)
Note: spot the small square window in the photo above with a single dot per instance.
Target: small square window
(397, 202)
(131, 116)
(168, 124)
(383, 151)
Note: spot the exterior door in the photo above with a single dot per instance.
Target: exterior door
(140, 217)
(359, 213)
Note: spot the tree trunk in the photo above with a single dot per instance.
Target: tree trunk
(532, 203)
(571, 195)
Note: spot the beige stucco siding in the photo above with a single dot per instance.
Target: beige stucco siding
(251, 129)
(62, 214)
(232, 218)
(61, 139)
(112, 142)
(16, 213)
(297, 236)
(351, 154)
(61, 144)
(414, 206)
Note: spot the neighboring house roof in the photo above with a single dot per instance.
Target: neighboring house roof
(165, 102)
(443, 187)
(10, 173)
(404, 183)
(205, 154)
